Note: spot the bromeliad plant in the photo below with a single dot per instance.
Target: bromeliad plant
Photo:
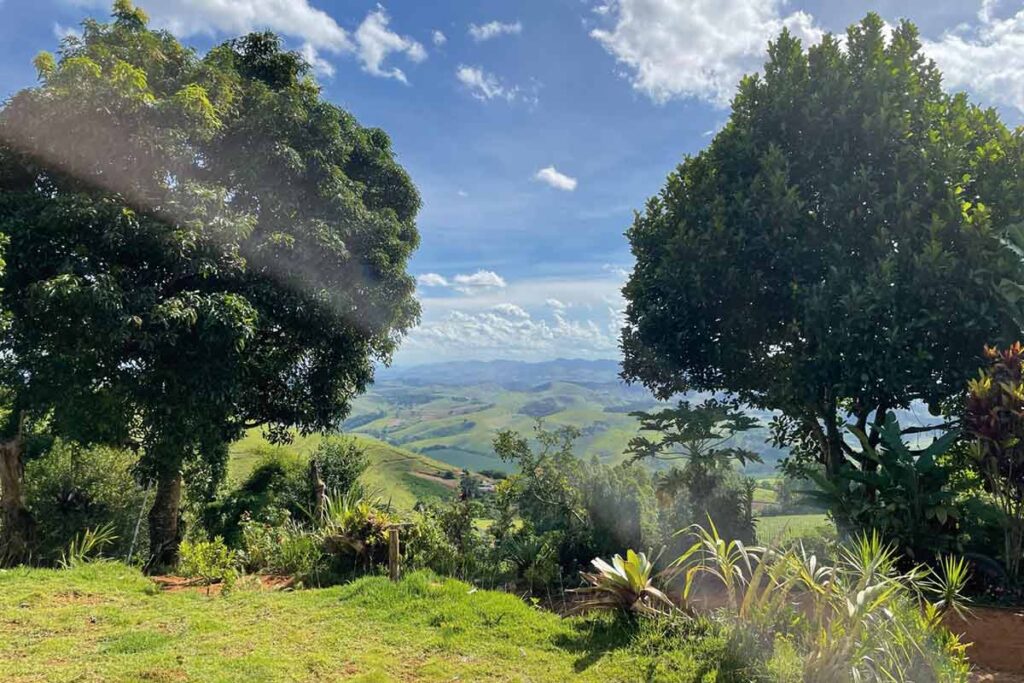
(625, 585)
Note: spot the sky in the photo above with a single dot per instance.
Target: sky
(534, 129)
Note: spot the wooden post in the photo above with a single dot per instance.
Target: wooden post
(394, 566)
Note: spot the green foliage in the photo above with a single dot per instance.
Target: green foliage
(281, 549)
(995, 418)
(342, 461)
(573, 509)
(70, 488)
(354, 531)
(196, 245)
(445, 538)
(836, 249)
(210, 562)
(858, 619)
(626, 585)
(910, 497)
(690, 433)
(87, 545)
(702, 489)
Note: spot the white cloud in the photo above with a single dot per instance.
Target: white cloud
(439, 38)
(372, 42)
(376, 42)
(493, 29)
(556, 179)
(521, 320)
(320, 66)
(511, 311)
(481, 280)
(62, 32)
(556, 304)
(431, 280)
(986, 58)
(484, 86)
(700, 48)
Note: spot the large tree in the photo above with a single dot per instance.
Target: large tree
(196, 246)
(837, 251)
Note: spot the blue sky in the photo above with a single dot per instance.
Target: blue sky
(534, 128)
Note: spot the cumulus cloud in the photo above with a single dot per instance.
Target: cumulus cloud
(701, 48)
(371, 43)
(376, 42)
(439, 38)
(556, 304)
(431, 280)
(511, 311)
(484, 86)
(320, 66)
(493, 29)
(985, 58)
(481, 280)
(556, 179)
(466, 283)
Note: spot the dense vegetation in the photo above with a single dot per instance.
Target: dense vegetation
(200, 274)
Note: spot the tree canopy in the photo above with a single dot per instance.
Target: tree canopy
(838, 250)
(197, 245)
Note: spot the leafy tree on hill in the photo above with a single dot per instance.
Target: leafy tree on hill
(836, 251)
(196, 246)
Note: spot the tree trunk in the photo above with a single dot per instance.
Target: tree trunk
(16, 523)
(165, 523)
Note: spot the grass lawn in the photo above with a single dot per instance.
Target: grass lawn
(106, 622)
(773, 530)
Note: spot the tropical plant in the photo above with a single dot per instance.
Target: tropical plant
(835, 250)
(355, 528)
(87, 545)
(911, 497)
(860, 618)
(283, 548)
(995, 418)
(209, 562)
(626, 585)
(196, 245)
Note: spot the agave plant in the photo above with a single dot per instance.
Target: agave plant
(625, 585)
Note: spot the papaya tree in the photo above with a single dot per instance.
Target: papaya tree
(197, 246)
(837, 252)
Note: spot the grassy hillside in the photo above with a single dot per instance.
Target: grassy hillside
(106, 622)
(394, 473)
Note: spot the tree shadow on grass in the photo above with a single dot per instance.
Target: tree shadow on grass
(594, 638)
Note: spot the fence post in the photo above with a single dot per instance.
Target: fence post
(394, 557)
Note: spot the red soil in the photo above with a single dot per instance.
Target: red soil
(997, 642)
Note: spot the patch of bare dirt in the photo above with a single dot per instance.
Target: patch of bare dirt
(997, 642)
(250, 582)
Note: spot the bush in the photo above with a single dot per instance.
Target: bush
(285, 549)
(342, 461)
(70, 489)
(445, 539)
(209, 561)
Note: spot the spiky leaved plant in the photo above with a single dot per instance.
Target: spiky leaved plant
(626, 585)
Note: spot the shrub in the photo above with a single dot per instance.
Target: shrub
(70, 489)
(445, 539)
(342, 461)
(353, 532)
(209, 561)
(87, 545)
(285, 549)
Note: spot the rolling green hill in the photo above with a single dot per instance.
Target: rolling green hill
(394, 473)
(451, 412)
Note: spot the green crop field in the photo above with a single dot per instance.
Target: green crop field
(772, 530)
(106, 622)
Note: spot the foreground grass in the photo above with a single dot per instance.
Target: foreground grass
(106, 622)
